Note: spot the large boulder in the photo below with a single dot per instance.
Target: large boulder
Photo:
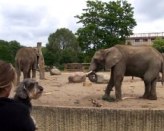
(77, 77)
(103, 78)
(55, 71)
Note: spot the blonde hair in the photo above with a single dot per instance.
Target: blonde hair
(8, 75)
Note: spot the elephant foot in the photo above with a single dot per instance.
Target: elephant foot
(152, 97)
(118, 99)
(145, 96)
(108, 98)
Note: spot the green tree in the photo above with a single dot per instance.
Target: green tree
(8, 50)
(104, 24)
(14, 46)
(63, 46)
(49, 57)
(5, 53)
(158, 43)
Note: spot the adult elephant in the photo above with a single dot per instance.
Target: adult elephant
(140, 61)
(159, 77)
(26, 60)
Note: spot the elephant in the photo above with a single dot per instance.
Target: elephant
(144, 62)
(26, 60)
(159, 76)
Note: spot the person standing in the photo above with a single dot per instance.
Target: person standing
(14, 116)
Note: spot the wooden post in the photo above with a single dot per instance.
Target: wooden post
(41, 61)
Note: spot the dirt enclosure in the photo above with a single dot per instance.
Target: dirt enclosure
(58, 92)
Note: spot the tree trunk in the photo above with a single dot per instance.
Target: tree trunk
(41, 61)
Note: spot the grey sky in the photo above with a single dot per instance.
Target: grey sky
(31, 21)
(149, 15)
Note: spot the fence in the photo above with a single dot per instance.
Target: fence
(97, 119)
(76, 66)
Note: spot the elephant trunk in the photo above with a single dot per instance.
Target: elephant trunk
(88, 73)
(92, 76)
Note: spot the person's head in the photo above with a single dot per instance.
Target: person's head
(7, 78)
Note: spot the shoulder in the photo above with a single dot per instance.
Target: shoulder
(14, 106)
(16, 115)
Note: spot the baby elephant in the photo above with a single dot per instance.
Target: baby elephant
(27, 90)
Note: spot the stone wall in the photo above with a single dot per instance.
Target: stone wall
(97, 119)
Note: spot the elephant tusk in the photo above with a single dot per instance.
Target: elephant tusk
(88, 73)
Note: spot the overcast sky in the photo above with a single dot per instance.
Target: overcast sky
(31, 21)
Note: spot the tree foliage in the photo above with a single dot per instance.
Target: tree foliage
(104, 25)
(158, 43)
(5, 51)
(62, 47)
(8, 50)
(49, 57)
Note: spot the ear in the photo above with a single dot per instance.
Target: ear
(112, 56)
(97, 59)
(21, 91)
(36, 50)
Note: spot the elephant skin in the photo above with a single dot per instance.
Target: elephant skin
(159, 77)
(123, 60)
(26, 60)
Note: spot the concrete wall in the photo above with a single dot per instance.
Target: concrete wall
(97, 119)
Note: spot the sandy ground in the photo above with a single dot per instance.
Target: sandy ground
(58, 92)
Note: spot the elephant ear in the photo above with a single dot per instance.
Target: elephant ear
(112, 57)
(97, 60)
(36, 51)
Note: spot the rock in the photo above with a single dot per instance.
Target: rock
(96, 103)
(77, 77)
(55, 71)
(103, 78)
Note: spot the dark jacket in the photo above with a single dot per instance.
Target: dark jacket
(15, 116)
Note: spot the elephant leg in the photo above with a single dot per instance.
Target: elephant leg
(147, 90)
(152, 93)
(34, 67)
(18, 76)
(28, 74)
(117, 76)
(25, 73)
(150, 79)
(118, 83)
(109, 88)
(33, 73)
(119, 72)
(110, 84)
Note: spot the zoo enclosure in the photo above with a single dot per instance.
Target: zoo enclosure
(97, 119)
(76, 66)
